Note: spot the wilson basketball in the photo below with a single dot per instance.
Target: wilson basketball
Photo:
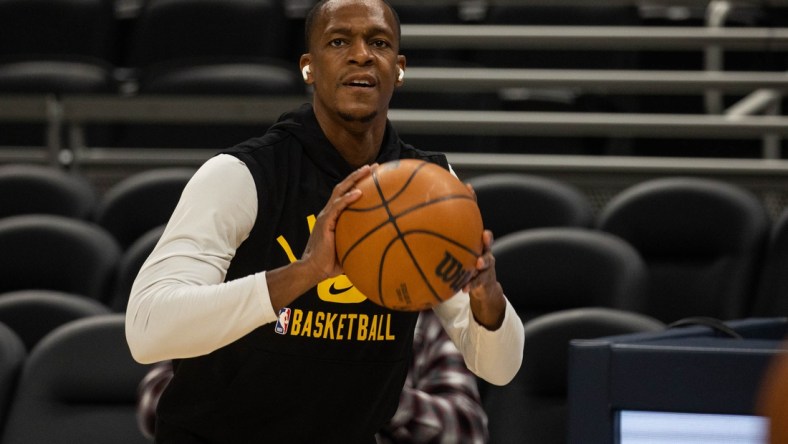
(412, 239)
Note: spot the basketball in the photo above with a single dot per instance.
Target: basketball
(412, 239)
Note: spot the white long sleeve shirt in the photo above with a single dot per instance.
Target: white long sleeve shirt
(180, 306)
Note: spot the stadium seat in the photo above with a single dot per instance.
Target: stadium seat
(543, 270)
(702, 241)
(771, 298)
(208, 47)
(37, 189)
(511, 202)
(78, 385)
(141, 202)
(54, 46)
(533, 407)
(46, 252)
(169, 30)
(209, 76)
(130, 263)
(32, 314)
(12, 358)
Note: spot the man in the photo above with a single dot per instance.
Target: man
(209, 295)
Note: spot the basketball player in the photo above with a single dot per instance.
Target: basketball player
(253, 235)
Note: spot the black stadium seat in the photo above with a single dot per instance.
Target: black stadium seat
(168, 30)
(78, 385)
(549, 269)
(54, 46)
(46, 252)
(771, 298)
(533, 407)
(702, 240)
(141, 202)
(12, 358)
(32, 314)
(37, 189)
(511, 202)
(130, 263)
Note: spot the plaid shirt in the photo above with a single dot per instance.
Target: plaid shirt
(439, 402)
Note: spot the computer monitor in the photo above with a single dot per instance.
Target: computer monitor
(649, 427)
(683, 385)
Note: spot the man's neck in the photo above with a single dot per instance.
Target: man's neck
(357, 142)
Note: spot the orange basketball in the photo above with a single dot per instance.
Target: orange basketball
(411, 240)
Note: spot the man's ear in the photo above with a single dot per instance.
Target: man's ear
(306, 68)
(400, 70)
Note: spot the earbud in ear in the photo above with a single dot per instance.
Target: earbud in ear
(305, 72)
(400, 74)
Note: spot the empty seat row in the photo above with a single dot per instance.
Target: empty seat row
(701, 241)
(80, 383)
(251, 47)
(163, 31)
(73, 258)
(670, 248)
(126, 210)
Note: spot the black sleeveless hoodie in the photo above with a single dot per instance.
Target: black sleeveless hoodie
(332, 370)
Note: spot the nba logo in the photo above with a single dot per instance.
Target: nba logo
(283, 322)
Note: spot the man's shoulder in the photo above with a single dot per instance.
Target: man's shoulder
(410, 152)
(270, 140)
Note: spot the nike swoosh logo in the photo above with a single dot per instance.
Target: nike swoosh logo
(333, 290)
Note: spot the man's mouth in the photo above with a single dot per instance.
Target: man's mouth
(360, 83)
(365, 82)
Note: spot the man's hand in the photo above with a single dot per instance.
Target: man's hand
(320, 252)
(319, 260)
(488, 303)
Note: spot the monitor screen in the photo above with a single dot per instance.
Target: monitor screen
(645, 427)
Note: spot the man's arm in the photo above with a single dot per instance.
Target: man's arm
(483, 324)
(180, 306)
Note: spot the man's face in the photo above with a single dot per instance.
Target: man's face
(353, 60)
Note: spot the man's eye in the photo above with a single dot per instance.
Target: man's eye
(380, 44)
(336, 42)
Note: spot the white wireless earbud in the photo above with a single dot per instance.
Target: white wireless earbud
(400, 74)
(305, 72)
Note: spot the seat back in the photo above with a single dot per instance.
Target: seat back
(33, 314)
(36, 189)
(130, 263)
(55, 46)
(543, 270)
(702, 240)
(141, 202)
(512, 202)
(168, 30)
(57, 28)
(79, 384)
(206, 76)
(47, 252)
(533, 407)
(12, 358)
(771, 298)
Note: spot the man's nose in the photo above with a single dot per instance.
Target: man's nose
(360, 53)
